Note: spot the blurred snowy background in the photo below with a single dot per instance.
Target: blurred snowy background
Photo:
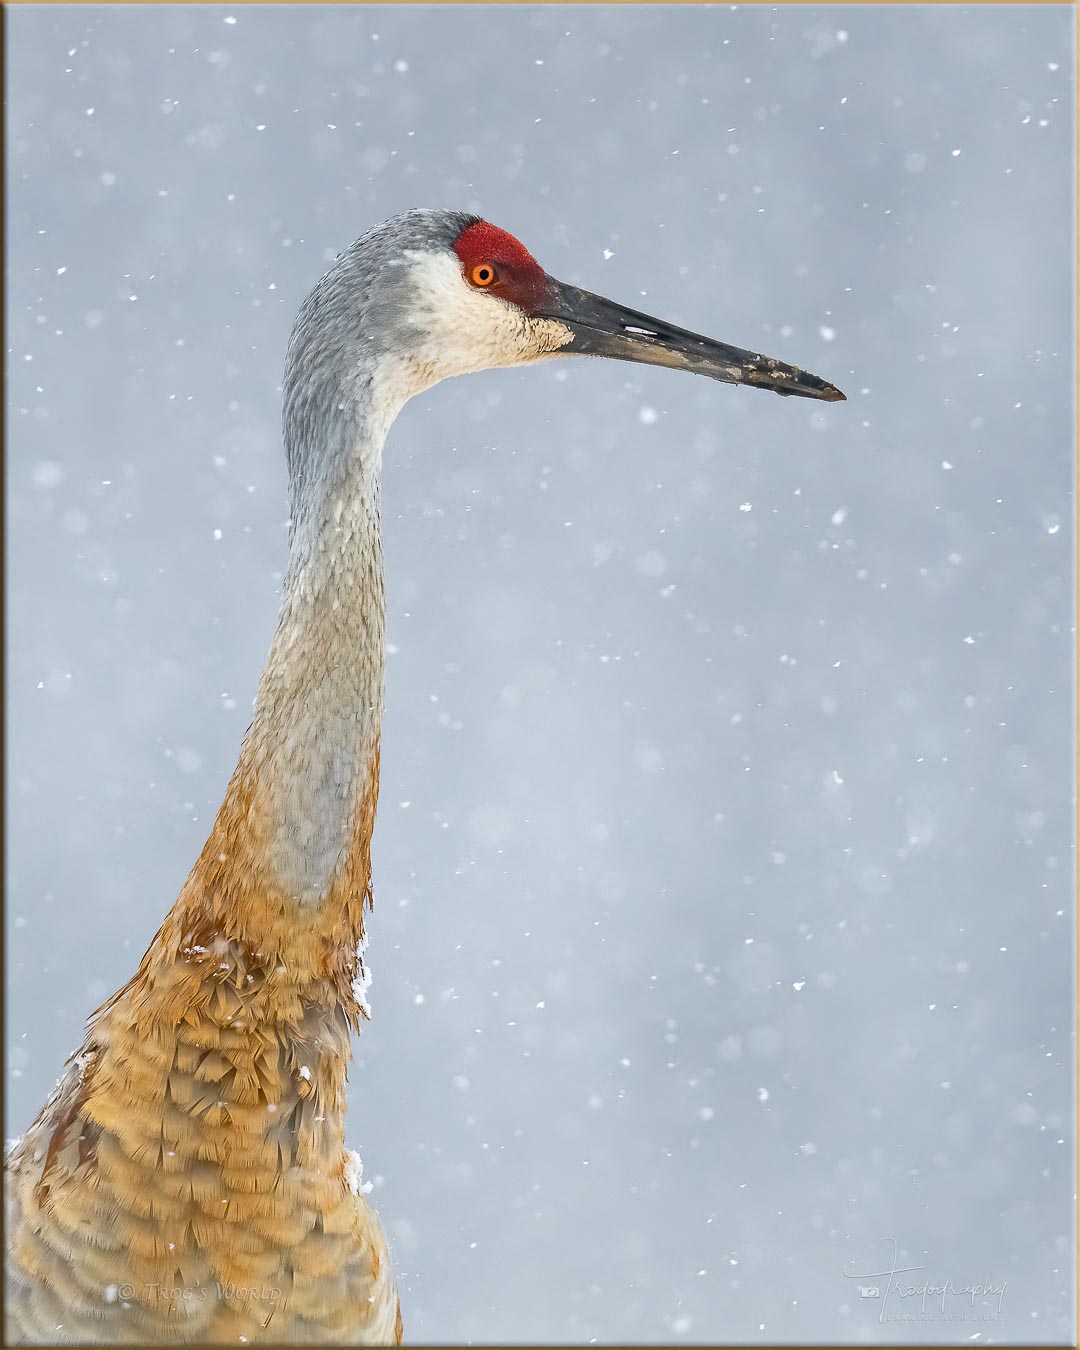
(723, 912)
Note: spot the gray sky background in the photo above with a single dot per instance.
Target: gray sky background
(723, 867)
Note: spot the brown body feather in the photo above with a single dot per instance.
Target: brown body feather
(188, 1181)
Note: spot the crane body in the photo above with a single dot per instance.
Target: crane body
(188, 1181)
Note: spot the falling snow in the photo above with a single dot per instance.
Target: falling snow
(671, 665)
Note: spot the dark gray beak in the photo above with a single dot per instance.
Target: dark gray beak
(603, 328)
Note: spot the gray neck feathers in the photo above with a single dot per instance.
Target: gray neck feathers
(314, 734)
(316, 725)
(315, 731)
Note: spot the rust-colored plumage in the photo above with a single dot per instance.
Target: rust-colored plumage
(188, 1180)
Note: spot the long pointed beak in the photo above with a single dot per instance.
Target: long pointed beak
(603, 328)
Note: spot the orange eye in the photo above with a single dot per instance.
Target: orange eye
(483, 274)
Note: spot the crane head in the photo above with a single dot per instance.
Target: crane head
(429, 294)
(498, 266)
(482, 300)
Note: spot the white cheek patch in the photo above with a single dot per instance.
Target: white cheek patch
(463, 330)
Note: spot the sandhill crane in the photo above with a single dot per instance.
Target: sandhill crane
(188, 1180)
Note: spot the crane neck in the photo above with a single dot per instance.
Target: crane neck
(286, 869)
